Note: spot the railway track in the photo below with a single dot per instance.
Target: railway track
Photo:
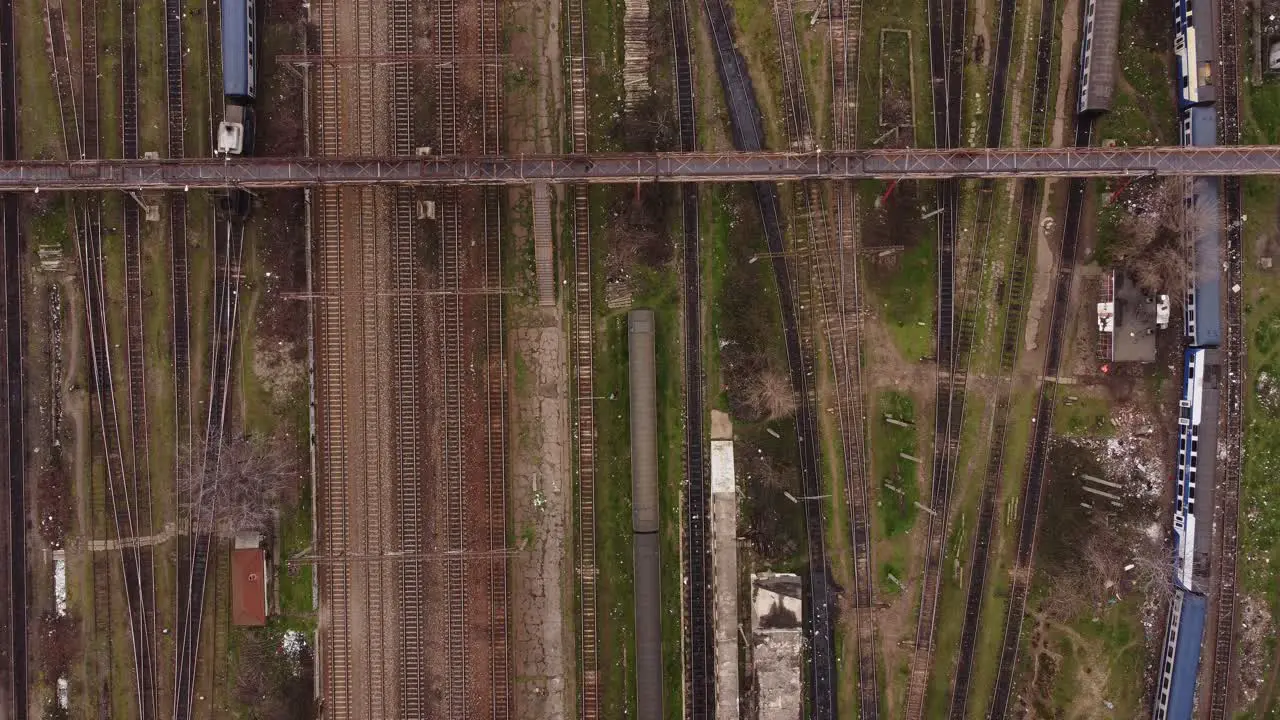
(178, 258)
(113, 512)
(1228, 489)
(946, 63)
(373, 672)
(331, 394)
(122, 487)
(194, 555)
(699, 657)
(813, 282)
(60, 61)
(14, 580)
(1015, 286)
(1033, 477)
(135, 355)
(228, 256)
(582, 358)
(451, 267)
(844, 320)
(90, 139)
(405, 319)
(496, 368)
(118, 487)
(748, 134)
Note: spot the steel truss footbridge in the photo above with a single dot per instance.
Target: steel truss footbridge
(903, 164)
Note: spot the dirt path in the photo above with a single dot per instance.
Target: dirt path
(892, 370)
(541, 490)
(1090, 682)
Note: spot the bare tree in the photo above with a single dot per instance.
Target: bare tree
(1161, 268)
(1159, 223)
(239, 490)
(271, 682)
(770, 394)
(1151, 572)
(1150, 209)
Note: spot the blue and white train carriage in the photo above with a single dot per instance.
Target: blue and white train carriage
(1196, 467)
(1180, 661)
(1195, 45)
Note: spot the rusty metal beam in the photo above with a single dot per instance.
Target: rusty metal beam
(636, 167)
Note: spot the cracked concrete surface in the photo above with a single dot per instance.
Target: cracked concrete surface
(724, 565)
(542, 503)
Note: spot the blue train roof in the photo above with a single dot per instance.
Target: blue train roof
(1204, 126)
(1207, 263)
(1186, 658)
(235, 49)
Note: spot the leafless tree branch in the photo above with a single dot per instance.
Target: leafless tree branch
(239, 491)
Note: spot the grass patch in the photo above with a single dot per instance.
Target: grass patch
(201, 77)
(604, 38)
(889, 572)
(657, 290)
(1089, 415)
(1001, 558)
(1143, 109)
(153, 116)
(297, 603)
(39, 127)
(1260, 494)
(912, 17)
(905, 298)
(756, 36)
(957, 553)
(1261, 113)
(1102, 660)
(897, 489)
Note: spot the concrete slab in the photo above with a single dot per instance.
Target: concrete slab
(721, 425)
(777, 653)
(724, 576)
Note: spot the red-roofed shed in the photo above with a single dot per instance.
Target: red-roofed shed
(249, 587)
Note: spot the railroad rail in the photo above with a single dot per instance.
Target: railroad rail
(118, 495)
(14, 671)
(60, 65)
(495, 371)
(807, 282)
(405, 336)
(228, 256)
(177, 221)
(1227, 509)
(699, 635)
(369, 125)
(139, 479)
(1037, 456)
(332, 494)
(582, 358)
(90, 140)
(844, 334)
(454, 375)
(1014, 290)
(121, 486)
(946, 25)
(628, 168)
(194, 550)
